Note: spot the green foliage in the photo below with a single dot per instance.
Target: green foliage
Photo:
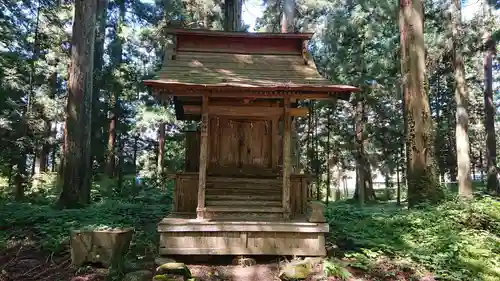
(454, 241)
(49, 228)
(334, 268)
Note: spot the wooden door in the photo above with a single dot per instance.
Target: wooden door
(255, 149)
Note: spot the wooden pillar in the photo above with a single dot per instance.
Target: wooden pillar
(286, 158)
(202, 179)
(275, 139)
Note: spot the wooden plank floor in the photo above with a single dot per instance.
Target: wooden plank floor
(188, 225)
(189, 236)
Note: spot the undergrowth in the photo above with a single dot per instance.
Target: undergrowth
(453, 241)
(38, 223)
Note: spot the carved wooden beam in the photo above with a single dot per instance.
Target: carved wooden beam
(244, 111)
(249, 95)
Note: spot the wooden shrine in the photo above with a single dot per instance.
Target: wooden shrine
(240, 192)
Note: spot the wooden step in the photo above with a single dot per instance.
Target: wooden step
(255, 186)
(242, 192)
(250, 203)
(244, 180)
(236, 197)
(245, 216)
(244, 209)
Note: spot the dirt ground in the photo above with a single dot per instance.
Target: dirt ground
(223, 268)
(26, 263)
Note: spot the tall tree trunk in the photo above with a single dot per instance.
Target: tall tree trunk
(161, 150)
(21, 171)
(481, 161)
(422, 183)
(492, 184)
(462, 100)
(451, 157)
(309, 146)
(364, 169)
(232, 15)
(20, 177)
(76, 162)
(111, 157)
(317, 165)
(405, 151)
(116, 60)
(34, 80)
(134, 154)
(43, 156)
(398, 191)
(359, 193)
(119, 168)
(97, 145)
(328, 160)
(55, 145)
(288, 16)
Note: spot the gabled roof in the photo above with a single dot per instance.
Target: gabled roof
(211, 60)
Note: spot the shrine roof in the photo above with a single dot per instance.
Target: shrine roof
(263, 62)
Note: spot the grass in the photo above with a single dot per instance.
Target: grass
(453, 241)
(36, 220)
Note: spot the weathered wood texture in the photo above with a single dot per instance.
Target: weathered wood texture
(187, 237)
(286, 158)
(248, 148)
(241, 61)
(185, 193)
(240, 198)
(244, 111)
(192, 153)
(204, 156)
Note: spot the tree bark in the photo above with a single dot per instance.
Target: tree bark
(232, 15)
(422, 183)
(288, 16)
(365, 185)
(328, 172)
(134, 157)
(161, 150)
(360, 173)
(492, 183)
(462, 100)
(76, 161)
(98, 148)
(54, 146)
(20, 177)
(43, 157)
(317, 165)
(111, 157)
(398, 191)
(116, 60)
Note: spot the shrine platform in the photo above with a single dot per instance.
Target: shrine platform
(181, 235)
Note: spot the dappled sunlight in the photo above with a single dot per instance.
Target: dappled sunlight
(443, 240)
(243, 70)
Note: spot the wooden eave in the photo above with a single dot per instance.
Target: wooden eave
(227, 34)
(298, 91)
(243, 66)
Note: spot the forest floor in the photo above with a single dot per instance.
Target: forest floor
(28, 263)
(380, 242)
